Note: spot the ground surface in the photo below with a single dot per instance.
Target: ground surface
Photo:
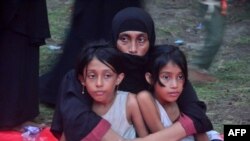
(228, 100)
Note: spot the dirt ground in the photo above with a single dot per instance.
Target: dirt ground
(178, 19)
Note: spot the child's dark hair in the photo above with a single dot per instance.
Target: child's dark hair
(160, 56)
(104, 52)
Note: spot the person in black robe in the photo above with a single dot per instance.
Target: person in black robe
(91, 20)
(23, 29)
(73, 114)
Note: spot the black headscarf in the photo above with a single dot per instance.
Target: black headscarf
(134, 19)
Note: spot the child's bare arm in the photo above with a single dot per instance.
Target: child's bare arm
(112, 135)
(135, 116)
(173, 133)
(152, 118)
(149, 111)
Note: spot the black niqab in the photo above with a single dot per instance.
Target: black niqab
(133, 19)
(132, 15)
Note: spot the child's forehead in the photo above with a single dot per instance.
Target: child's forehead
(170, 64)
(96, 64)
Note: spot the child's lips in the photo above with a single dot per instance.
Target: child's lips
(99, 93)
(175, 94)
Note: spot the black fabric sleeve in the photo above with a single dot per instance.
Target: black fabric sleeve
(78, 119)
(73, 115)
(194, 109)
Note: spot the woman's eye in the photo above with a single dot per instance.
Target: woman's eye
(141, 40)
(123, 38)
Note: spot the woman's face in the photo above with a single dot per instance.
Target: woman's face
(133, 42)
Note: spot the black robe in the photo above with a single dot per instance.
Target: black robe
(23, 28)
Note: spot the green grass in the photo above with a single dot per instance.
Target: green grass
(232, 92)
(47, 59)
(166, 31)
(242, 40)
(59, 15)
(233, 77)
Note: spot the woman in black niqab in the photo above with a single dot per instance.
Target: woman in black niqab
(133, 19)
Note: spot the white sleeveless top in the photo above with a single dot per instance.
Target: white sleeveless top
(117, 116)
(165, 120)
